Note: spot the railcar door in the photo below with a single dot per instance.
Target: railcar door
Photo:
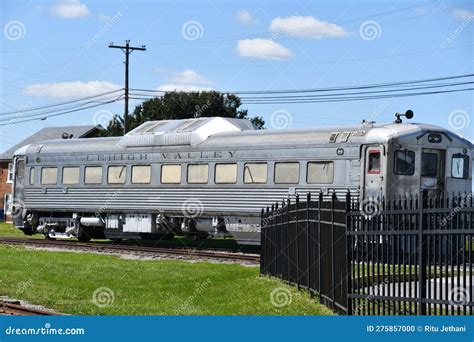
(432, 171)
(18, 190)
(373, 171)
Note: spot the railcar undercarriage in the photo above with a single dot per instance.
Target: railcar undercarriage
(87, 226)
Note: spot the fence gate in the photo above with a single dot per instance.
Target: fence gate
(379, 257)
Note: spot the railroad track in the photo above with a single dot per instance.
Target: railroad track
(16, 309)
(100, 247)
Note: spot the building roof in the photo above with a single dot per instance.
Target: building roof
(49, 133)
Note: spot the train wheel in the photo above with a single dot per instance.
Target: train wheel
(83, 235)
(47, 236)
(27, 231)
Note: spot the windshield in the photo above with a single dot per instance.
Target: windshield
(429, 164)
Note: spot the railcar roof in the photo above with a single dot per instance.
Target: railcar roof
(248, 137)
(364, 133)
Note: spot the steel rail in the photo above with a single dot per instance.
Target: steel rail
(13, 309)
(176, 251)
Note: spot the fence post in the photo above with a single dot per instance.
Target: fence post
(348, 275)
(275, 241)
(262, 243)
(267, 211)
(320, 203)
(308, 265)
(421, 257)
(333, 257)
(288, 235)
(297, 243)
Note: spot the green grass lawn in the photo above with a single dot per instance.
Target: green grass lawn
(69, 282)
(7, 229)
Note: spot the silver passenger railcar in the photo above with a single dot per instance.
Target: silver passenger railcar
(212, 176)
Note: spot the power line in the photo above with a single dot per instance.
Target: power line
(420, 87)
(337, 98)
(360, 92)
(12, 121)
(360, 98)
(326, 89)
(103, 100)
(30, 109)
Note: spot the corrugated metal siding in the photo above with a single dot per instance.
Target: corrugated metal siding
(214, 201)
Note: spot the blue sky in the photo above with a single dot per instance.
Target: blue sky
(57, 51)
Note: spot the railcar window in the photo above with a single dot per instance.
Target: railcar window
(141, 174)
(20, 169)
(49, 175)
(171, 174)
(320, 172)
(287, 173)
(116, 174)
(255, 173)
(71, 175)
(226, 174)
(198, 173)
(429, 164)
(374, 162)
(460, 166)
(32, 176)
(93, 175)
(404, 162)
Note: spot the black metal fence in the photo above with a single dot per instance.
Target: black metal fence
(401, 256)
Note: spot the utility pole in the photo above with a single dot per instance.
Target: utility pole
(127, 50)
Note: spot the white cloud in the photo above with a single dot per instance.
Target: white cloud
(244, 17)
(187, 80)
(262, 48)
(76, 89)
(188, 77)
(462, 14)
(183, 87)
(306, 27)
(70, 9)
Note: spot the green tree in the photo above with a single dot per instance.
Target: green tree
(183, 105)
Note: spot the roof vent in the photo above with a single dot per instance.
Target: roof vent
(181, 132)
